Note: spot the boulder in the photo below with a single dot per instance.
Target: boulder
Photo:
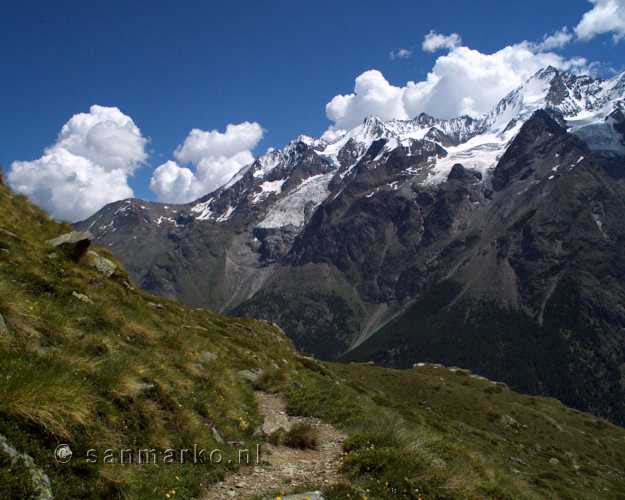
(74, 244)
(207, 356)
(101, 264)
(250, 375)
(310, 495)
(274, 422)
(508, 421)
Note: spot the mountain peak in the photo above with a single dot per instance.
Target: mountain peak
(547, 73)
(306, 139)
(425, 119)
(372, 120)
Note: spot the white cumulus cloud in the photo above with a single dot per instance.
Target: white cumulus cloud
(236, 138)
(556, 40)
(373, 95)
(462, 81)
(434, 41)
(400, 54)
(606, 16)
(86, 168)
(214, 157)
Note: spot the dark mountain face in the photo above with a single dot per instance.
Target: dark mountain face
(539, 300)
(494, 243)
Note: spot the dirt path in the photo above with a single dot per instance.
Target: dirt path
(284, 468)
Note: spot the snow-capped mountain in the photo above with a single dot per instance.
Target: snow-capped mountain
(584, 103)
(297, 178)
(477, 241)
(291, 182)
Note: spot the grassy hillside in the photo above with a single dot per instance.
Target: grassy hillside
(92, 362)
(434, 432)
(128, 370)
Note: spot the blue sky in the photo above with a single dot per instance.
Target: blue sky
(207, 64)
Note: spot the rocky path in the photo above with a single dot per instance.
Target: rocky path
(284, 468)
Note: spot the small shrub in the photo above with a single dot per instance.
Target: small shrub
(277, 437)
(301, 435)
(271, 380)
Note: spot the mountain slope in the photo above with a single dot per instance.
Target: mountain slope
(337, 241)
(89, 361)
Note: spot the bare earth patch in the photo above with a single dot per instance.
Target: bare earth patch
(284, 468)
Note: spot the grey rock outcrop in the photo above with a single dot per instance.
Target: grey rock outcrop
(40, 480)
(250, 375)
(74, 244)
(82, 297)
(207, 356)
(103, 265)
(275, 422)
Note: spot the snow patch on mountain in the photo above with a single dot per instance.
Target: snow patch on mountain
(600, 135)
(481, 153)
(226, 215)
(203, 209)
(124, 208)
(267, 188)
(293, 208)
(162, 219)
(267, 163)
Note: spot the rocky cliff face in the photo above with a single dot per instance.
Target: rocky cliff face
(492, 242)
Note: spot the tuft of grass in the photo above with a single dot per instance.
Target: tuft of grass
(45, 393)
(369, 439)
(272, 380)
(301, 435)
